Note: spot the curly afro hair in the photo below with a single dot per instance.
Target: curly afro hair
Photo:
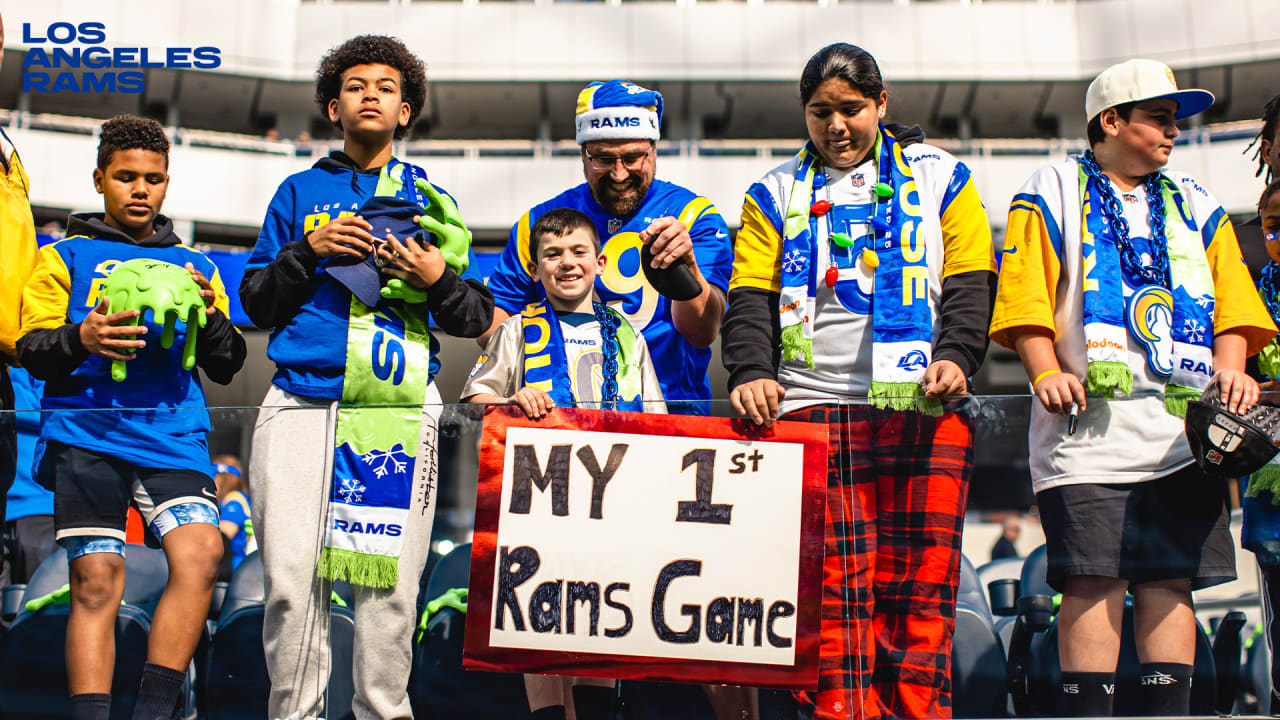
(370, 50)
(130, 132)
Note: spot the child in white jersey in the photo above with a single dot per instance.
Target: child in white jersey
(568, 349)
(1118, 277)
(561, 352)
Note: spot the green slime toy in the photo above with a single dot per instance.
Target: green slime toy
(168, 291)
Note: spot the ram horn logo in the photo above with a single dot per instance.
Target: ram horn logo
(914, 360)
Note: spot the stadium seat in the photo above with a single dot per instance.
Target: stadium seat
(1034, 579)
(235, 685)
(977, 657)
(33, 679)
(439, 688)
(971, 591)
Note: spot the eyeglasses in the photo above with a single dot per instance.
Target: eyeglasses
(630, 161)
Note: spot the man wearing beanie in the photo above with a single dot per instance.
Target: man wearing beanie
(1123, 277)
(618, 126)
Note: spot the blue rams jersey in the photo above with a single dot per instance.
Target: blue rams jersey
(681, 367)
(235, 508)
(26, 497)
(170, 430)
(309, 352)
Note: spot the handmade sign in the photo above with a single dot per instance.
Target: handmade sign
(644, 546)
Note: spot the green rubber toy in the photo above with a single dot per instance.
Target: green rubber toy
(442, 219)
(168, 291)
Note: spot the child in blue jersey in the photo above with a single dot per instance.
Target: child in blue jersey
(233, 510)
(318, 514)
(156, 457)
(28, 531)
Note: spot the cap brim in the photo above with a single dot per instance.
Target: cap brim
(1190, 102)
(362, 279)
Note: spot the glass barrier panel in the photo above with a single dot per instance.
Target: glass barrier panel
(682, 562)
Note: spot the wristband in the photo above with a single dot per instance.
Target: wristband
(1042, 376)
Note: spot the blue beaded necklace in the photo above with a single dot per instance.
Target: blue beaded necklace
(1157, 273)
(609, 339)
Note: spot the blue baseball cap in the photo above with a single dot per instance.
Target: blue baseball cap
(385, 214)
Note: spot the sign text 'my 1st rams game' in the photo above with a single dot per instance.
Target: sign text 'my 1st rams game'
(652, 547)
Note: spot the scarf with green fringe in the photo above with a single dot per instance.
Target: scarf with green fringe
(1185, 355)
(902, 314)
(376, 440)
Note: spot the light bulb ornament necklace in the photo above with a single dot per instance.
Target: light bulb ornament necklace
(1157, 272)
(880, 221)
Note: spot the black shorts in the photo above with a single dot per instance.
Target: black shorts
(92, 491)
(1170, 528)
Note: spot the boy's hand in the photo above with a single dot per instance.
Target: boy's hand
(669, 241)
(1239, 391)
(111, 336)
(534, 402)
(418, 264)
(1058, 391)
(206, 289)
(443, 220)
(758, 400)
(345, 236)
(944, 379)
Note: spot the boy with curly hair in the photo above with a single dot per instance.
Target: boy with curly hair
(156, 458)
(343, 490)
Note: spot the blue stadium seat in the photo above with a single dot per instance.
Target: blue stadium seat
(235, 685)
(439, 688)
(33, 680)
(977, 655)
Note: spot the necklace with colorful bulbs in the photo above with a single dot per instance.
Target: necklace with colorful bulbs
(819, 209)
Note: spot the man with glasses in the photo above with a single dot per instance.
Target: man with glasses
(618, 126)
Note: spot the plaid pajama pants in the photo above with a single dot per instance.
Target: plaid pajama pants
(896, 486)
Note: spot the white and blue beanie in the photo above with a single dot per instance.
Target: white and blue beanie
(618, 110)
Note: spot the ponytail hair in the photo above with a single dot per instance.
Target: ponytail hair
(847, 62)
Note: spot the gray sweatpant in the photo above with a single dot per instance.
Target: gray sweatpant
(289, 475)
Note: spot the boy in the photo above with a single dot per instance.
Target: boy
(1129, 278)
(312, 500)
(99, 462)
(573, 332)
(567, 259)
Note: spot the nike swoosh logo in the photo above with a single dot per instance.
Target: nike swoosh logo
(206, 493)
(1011, 250)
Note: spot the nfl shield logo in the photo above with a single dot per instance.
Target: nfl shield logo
(858, 181)
(614, 224)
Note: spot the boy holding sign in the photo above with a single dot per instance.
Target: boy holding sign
(566, 350)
